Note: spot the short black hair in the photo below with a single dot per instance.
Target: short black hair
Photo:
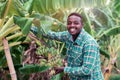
(76, 14)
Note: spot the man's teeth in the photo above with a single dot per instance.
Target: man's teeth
(72, 29)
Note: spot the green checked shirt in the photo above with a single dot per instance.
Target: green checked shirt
(82, 56)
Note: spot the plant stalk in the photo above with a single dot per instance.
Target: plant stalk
(14, 36)
(11, 45)
(8, 31)
(7, 25)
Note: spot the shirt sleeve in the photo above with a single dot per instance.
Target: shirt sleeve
(90, 55)
(60, 36)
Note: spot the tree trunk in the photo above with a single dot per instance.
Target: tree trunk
(108, 73)
(9, 60)
(111, 64)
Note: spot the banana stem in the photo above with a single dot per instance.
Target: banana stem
(14, 36)
(10, 30)
(11, 45)
(62, 47)
(7, 25)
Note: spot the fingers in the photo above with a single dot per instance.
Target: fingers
(64, 62)
(58, 70)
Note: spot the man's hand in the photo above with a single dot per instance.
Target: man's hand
(44, 35)
(58, 70)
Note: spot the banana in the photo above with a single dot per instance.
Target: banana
(52, 72)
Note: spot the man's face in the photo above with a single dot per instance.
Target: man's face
(74, 25)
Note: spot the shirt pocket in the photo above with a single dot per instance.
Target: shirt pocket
(78, 61)
(77, 50)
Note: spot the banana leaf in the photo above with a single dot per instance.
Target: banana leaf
(31, 68)
(105, 53)
(2, 7)
(56, 77)
(20, 7)
(111, 32)
(29, 6)
(23, 23)
(117, 6)
(24, 8)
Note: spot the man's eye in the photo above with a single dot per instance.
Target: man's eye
(76, 23)
(68, 23)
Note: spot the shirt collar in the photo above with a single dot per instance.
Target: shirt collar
(79, 38)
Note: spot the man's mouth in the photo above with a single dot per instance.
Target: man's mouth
(72, 29)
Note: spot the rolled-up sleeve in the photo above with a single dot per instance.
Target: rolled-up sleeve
(60, 36)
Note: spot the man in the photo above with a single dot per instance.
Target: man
(83, 56)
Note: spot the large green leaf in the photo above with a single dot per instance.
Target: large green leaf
(12, 9)
(111, 32)
(106, 17)
(19, 7)
(24, 23)
(31, 68)
(29, 5)
(88, 27)
(47, 23)
(24, 8)
(46, 6)
(102, 18)
(2, 7)
(52, 6)
(56, 77)
(117, 6)
(105, 53)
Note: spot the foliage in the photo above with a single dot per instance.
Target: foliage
(28, 69)
(17, 18)
(115, 77)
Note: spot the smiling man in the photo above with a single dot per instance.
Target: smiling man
(82, 53)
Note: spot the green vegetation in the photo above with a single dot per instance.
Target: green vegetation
(22, 23)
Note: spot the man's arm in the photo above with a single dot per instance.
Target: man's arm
(60, 36)
(90, 56)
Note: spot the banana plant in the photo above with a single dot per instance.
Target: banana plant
(9, 30)
(37, 9)
(4, 30)
(107, 28)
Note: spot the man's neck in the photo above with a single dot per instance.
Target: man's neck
(74, 37)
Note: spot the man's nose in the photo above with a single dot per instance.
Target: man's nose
(72, 24)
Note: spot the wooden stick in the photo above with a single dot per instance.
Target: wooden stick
(9, 59)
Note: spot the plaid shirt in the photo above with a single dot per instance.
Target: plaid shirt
(82, 56)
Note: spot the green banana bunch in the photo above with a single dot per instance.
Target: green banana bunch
(51, 56)
(55, 61)
(42, 50)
